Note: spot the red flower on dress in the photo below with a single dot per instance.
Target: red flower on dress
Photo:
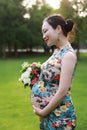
(54, 124)
(67, 104)
(57, 77)
(69, 123)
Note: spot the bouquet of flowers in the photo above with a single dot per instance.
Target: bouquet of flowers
(30, 73)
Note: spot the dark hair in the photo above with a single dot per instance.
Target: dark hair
(55, 20)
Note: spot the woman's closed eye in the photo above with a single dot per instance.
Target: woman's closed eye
(44, 31)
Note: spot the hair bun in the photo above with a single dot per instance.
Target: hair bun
(69, 25)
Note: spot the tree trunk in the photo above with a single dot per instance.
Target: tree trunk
(3, 52)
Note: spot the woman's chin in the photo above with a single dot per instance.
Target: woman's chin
(49, 44)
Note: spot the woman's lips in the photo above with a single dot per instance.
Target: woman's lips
(46, 39)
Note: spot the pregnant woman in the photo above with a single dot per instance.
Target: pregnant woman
(51, 94)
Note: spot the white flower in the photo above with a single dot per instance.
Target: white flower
(26, 81)
(29, 70)
(25, 76)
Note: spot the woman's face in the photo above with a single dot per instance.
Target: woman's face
(50, 35)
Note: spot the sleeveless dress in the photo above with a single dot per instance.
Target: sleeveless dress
(63, 117)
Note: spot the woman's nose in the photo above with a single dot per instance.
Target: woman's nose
(44, 36)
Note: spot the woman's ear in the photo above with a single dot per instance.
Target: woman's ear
(58, 29)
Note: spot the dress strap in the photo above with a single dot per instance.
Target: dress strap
(65, 50)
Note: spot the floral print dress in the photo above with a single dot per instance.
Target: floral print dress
(63, 116)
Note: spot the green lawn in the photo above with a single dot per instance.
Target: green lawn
(15, 107)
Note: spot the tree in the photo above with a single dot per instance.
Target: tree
(67, 12)
(11, 17)
(66, 9)
(37, 13)
(80, 12)
(76, 10)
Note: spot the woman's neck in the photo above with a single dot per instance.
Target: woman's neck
(62, 42)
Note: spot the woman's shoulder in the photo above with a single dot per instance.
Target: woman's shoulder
(69, 52)
(70, 56)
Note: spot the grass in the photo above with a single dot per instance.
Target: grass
(79, 92)
(15, 107)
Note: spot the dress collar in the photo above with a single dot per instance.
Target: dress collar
(62, 47)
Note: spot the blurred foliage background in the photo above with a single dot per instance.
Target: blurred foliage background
(20, 32)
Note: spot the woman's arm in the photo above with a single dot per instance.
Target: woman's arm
(68, 64)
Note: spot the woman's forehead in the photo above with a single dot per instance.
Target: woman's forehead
(45, 25)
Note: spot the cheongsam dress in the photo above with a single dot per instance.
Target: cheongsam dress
(63, 117)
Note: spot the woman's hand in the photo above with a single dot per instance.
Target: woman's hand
(38, 111)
